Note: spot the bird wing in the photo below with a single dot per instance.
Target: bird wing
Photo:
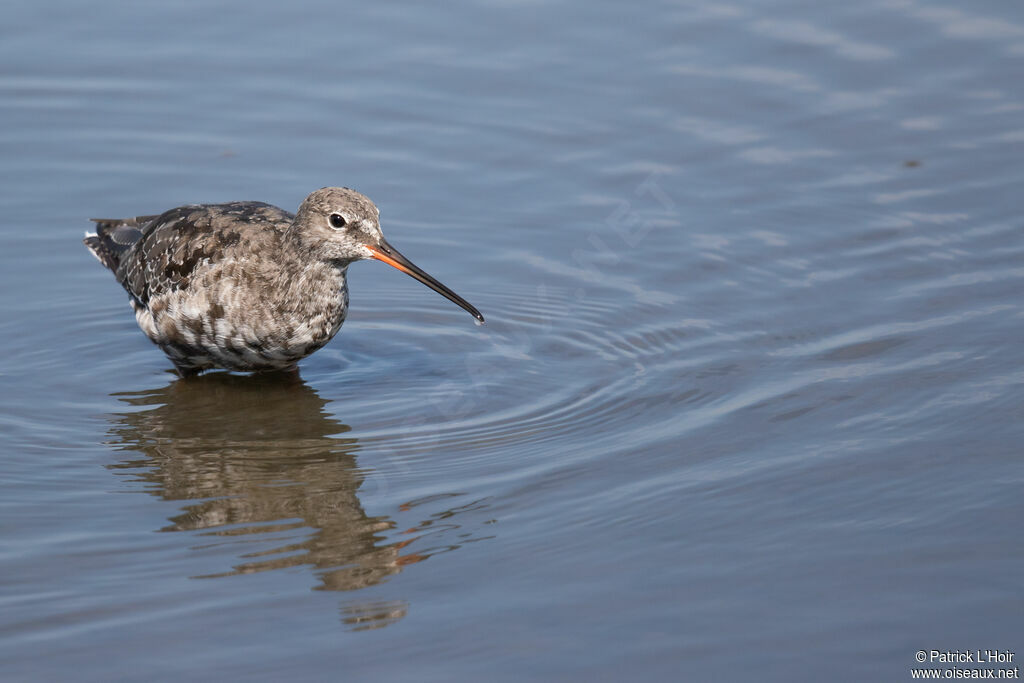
(166, 252)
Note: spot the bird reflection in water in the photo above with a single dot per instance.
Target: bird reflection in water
(267, 464)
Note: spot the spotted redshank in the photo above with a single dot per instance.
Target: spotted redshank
(247, 286)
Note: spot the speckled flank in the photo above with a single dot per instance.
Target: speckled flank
(243, 286)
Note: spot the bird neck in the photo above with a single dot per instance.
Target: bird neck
(319, 277)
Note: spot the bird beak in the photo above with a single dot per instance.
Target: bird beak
(391, 256)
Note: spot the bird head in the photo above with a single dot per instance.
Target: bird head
(342, 225)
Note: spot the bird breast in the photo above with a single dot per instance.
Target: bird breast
(240, 316)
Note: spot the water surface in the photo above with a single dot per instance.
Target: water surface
(748, 404)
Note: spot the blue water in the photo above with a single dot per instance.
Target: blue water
(748, 405)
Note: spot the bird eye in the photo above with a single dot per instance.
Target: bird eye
(337, 220)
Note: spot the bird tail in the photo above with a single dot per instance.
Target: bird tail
(113, 237)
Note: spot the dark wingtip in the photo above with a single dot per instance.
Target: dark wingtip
(113, 237)
(100, 251)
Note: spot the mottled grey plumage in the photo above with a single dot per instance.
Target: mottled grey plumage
(245, 285)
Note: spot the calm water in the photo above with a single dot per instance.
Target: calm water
(749, 404)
